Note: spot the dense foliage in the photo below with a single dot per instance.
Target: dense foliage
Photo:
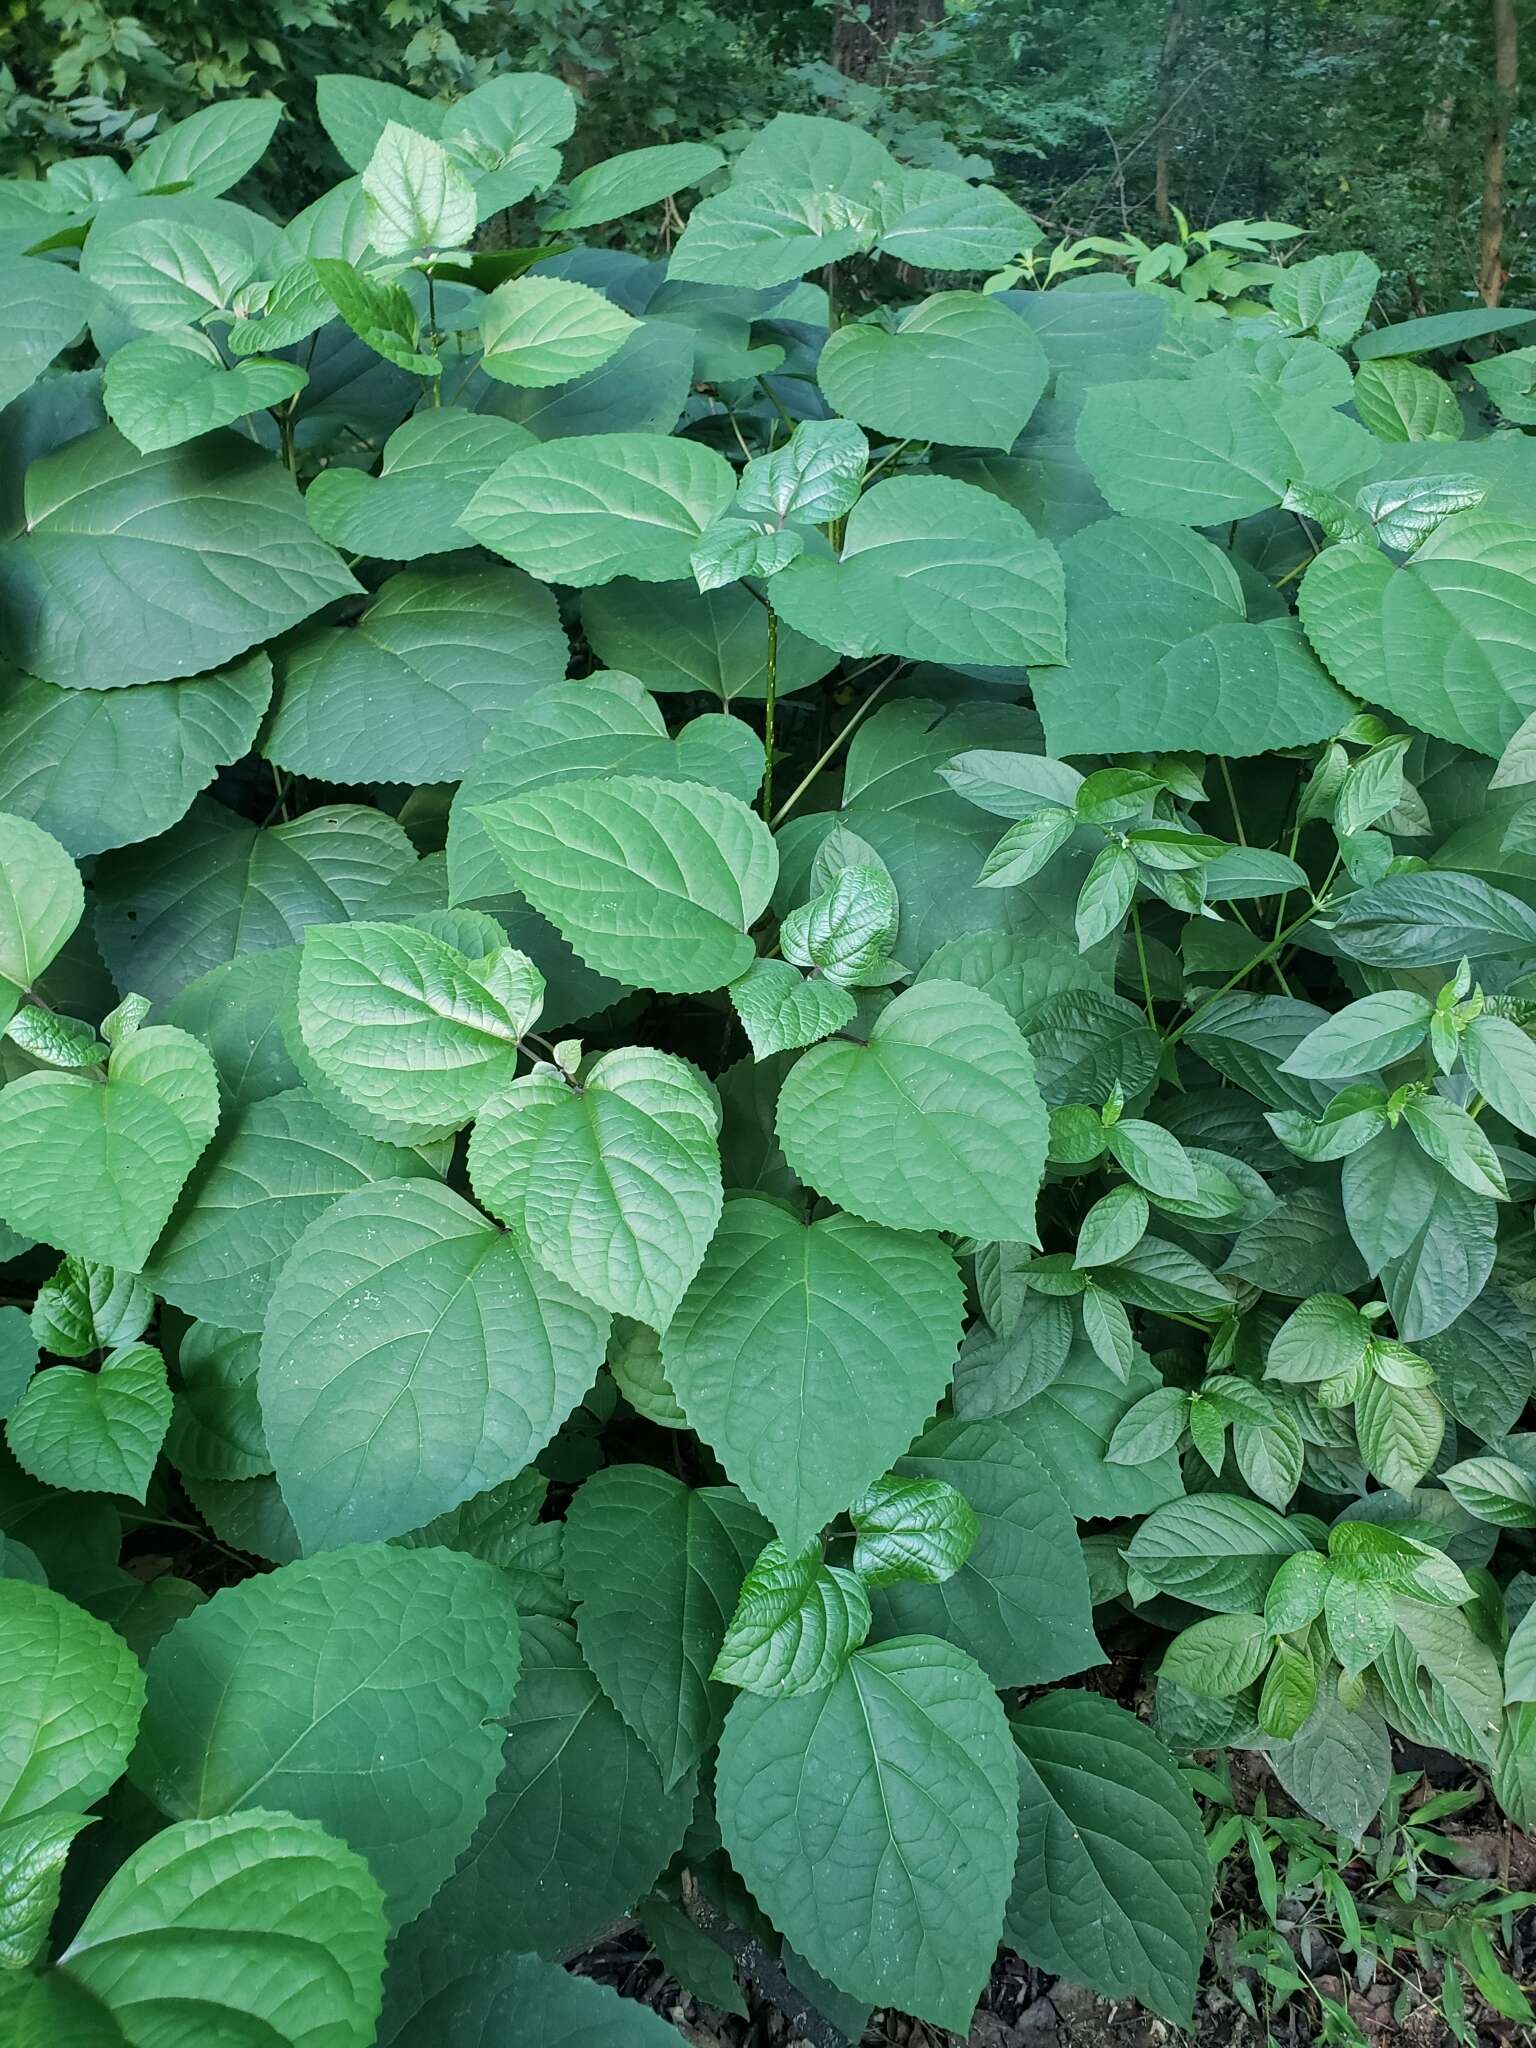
(660, 1289)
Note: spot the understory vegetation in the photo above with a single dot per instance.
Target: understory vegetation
(769, 1102)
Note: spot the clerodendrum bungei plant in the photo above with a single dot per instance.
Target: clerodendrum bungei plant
(656, 1291)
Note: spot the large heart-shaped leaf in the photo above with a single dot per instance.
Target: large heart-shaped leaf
(614, 1182)
(273, 1695)
(656, 883)
(934, 1124)
(809, 1356)
(135, 568)
(933, 570)
(412, 1357)
(94, 1165)
(903, 1765)
(958, 368)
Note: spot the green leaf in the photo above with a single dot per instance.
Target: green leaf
(1113, 1886)
(797, 1622)
(810, 479)
(1104, 901)
(956, 369)
(418, 197)
(1213, 448)
(216, 1430)
(1150, 1429)
(413, 1357)
(1215, 1550)
(675, 637)
(138, 568)
(546, 330)
(41, 902)
(1403, 401)
(917, 1529)
(1019, 1603)
(1324, 1338)
(803, 1397)
(848, 930)
(902, 1763)
(1360, 1623)
(1070, 1424)
(407, 1027)
(299, 1909)
(596, 506)
(83, 1308)
(630, 182)
(74, 1694)
(655, 883)
(95, 1432)
(508, 132)
(216, 886)
(1460, 609)
(163, 390)
(410, 691)
(936, 1123)
(161, 272)
(439, 1985)
(94, 1166)
(1338, 1765)
(431, 468)
(32, 1854)
(1025, 848)
(1455, 1141)
(932, 570)
(1330, 296)
(655, 1568)
(48, 305)
(1496, 1489)
(1152, 1157)
(103, 768)
(612, 1182)
(210, 151)
(1510, 382)
(381, 315)
(273, 1695)
(1161, 654)
(1218, 1657)
(579, 1823)
(1363, 1037)
(1289, 1692)
(1433, 919)
(277, 1165)
(1115, 1224)
(1501, 1060)
(18, 1356)
(781, 1009)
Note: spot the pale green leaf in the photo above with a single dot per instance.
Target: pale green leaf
(74, 1693)
(95, 1432)
(958, 368)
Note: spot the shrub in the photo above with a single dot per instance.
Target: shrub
(645, 1279)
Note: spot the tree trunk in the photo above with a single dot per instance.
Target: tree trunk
(865, 30)
(1167, 73)
(1491, 273)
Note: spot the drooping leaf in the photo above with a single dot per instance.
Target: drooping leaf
(1113, 1886)
(655, 1568)
(797, 1622)
(902, 1763)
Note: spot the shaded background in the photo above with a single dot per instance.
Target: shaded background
(1392, 125)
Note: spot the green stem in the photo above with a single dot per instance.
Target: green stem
(241, 1558)
(772, 398)
(1237, 816)
(770, 705)
(1141, 961)
(1267, 953)
(437, 381)
(825, 757)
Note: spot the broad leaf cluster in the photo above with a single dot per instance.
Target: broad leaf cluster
(740, 1015)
